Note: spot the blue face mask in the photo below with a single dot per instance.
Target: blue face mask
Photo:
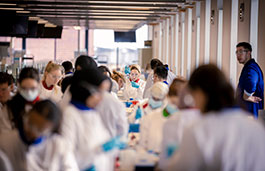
(171, 108)
(155, 104)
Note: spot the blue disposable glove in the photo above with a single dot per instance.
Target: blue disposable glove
(127, 70)
(138, 113)
(134, 128)
(92, 168)
(170, 150)
(128, 104)
(113, 143)
(135, 85)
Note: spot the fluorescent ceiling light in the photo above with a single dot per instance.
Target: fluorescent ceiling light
(8, 4)
(41, 21)
(49, 25)
(9, 8)
(23, 12)
(34, 18)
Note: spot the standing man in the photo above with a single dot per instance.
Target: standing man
(250, 90)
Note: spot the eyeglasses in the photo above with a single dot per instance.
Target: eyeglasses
(240, 52)
(55, 77)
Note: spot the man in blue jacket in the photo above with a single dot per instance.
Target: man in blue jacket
(250, 90)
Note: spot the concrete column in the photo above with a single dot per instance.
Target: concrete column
(234, 39)
(261, 36)
(182, 66)
(176, 40)
(198, 26)
(189, 32)
(207, 31)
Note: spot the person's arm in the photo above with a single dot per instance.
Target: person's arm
(250, 86)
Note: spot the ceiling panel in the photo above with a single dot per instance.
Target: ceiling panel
(96, 14)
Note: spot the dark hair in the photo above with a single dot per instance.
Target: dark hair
(104, 69)
(67, 66)
(155, 62)
(28, 72)
(85, 62)
(92, 76)
(176, 86)
(81, 90)
(50, 112)
(135, 68)
(245, 45)
(65, 83)
(161, 72)
(213, 83)
(6, 78)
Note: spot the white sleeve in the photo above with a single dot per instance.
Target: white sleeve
(140, 90)
(149, 83)
(188, 157)
(122, 122)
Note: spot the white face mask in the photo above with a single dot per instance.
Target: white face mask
(29, 95)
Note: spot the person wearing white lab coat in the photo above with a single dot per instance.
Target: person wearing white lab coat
(113, 115)
(151, 128)
(149, 81)
(160, 75)
(158, 91)
(37, 126)
(175, 125)
(225, 138)
(134, 86)
(83, 127)
(49, 88)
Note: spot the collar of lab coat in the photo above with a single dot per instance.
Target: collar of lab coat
(165, 82)
(46, 87)
(80, 106)
(136, 80)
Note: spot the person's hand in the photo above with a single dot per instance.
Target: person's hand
(138, 113)
(127, 70)
(135, 85)
(171, 150)
(113, 143)
(253, 99)
(128, 104)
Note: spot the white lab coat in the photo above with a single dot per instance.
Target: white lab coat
(5, 164)
(170, 77)
(225, 141)
(14, 149)
(113, 115)
(149, 82)
(151, 128)
(52, 154)
(132, 92)
(5, 122)
(173, 131)
(85, 133)
(55, 94)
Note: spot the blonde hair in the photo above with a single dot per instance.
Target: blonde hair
(116, 75)
(51, 66)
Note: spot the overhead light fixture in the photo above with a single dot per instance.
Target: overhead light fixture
(7, 4)
(50, 25)
(42, 21)
(23, 12)
(34, 18)
(77, 27)
(9, 8)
